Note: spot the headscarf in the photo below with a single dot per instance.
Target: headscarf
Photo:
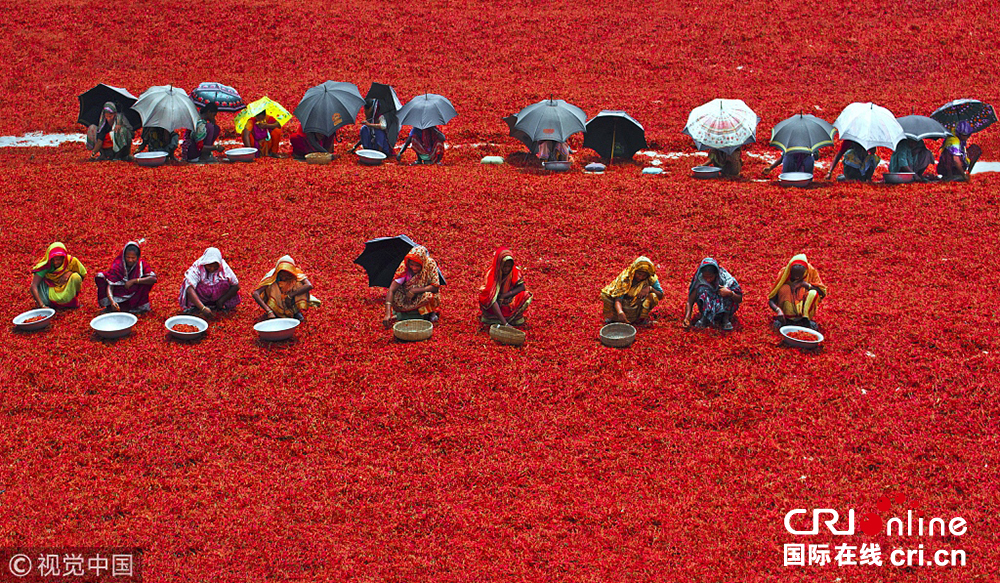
(811, 277)
(43, 266)
(724, 278)
(121, 130)
(197, 273)
(428, 268)
(119, 273)
(494, 282)
(274, 287)
(623, 285)
(285, 263)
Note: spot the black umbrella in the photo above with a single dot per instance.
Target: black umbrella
(223, 96)
(614, 132)
(328, 106)
(390, 106)
(511, 121)
(383, 256)
(92, 102)
(921, 127)
(802, 133)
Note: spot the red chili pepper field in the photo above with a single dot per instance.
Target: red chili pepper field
(347, 456)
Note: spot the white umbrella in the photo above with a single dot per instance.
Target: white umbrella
(869, 125)
(722, 124)
(167, 107)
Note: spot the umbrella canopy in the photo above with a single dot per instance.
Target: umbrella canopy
(222, 96)
(427, 110)
(551, 119)
(614, 132)
(383, 256)
(869, 125)
(802, 133)
(328, 106)
(511, 121)
(921, 127)
(92, 102)
(273, 109)
(389, 106)
(167, 107)
(979, 115)
(722, 124)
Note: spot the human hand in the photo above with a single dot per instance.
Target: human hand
(387, 322)
(129, 284)
(621, 318)
(686, 323)
(725, 292)
(829, 174)
(271, 315)
(115, 307)
(206, 311)
(643, 292)
(410, 293)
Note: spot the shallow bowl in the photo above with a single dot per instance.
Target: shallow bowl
(114, 324)
(795, 342)
(706, 172)
(19, 320)
(559, 166)
(899, 177)
(798, 179)
(150, 159)
(276, 329)
(370, 157)
(202, 326)
(242, 154)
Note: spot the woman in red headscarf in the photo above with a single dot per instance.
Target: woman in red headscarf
(503, 296)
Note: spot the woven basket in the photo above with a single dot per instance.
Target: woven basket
(413, 330)
(507, 335)
(318, 158)
(617, 335)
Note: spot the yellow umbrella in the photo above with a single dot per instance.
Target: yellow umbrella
(273, 109)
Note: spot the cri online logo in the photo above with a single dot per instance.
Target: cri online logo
(871, 523)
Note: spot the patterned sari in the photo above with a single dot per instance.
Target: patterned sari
(421, 304)
(707, 297)
(495, 283)
(209, 287)
(278, 294)
(60, 286)
(626, 289)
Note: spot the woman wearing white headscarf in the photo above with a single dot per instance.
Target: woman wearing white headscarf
(209, 283)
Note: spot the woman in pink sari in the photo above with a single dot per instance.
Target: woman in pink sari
(125, 286)
(209, 284)
(427, 143)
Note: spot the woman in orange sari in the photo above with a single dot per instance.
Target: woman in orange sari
(264, 133)
(797, 293)
(503, 296)
(284, 291)
(415, 289)
(58, 277)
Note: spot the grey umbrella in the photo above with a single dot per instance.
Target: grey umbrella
(802, 133)
(551, 119)
(326, 107)
(921, 127)
(167, 107)
(427, 110)
(511, 121)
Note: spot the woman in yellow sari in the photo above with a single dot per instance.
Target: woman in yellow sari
(58, 277)
(633, 294)
(797, 293)
(284, 291)
(415, 289)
